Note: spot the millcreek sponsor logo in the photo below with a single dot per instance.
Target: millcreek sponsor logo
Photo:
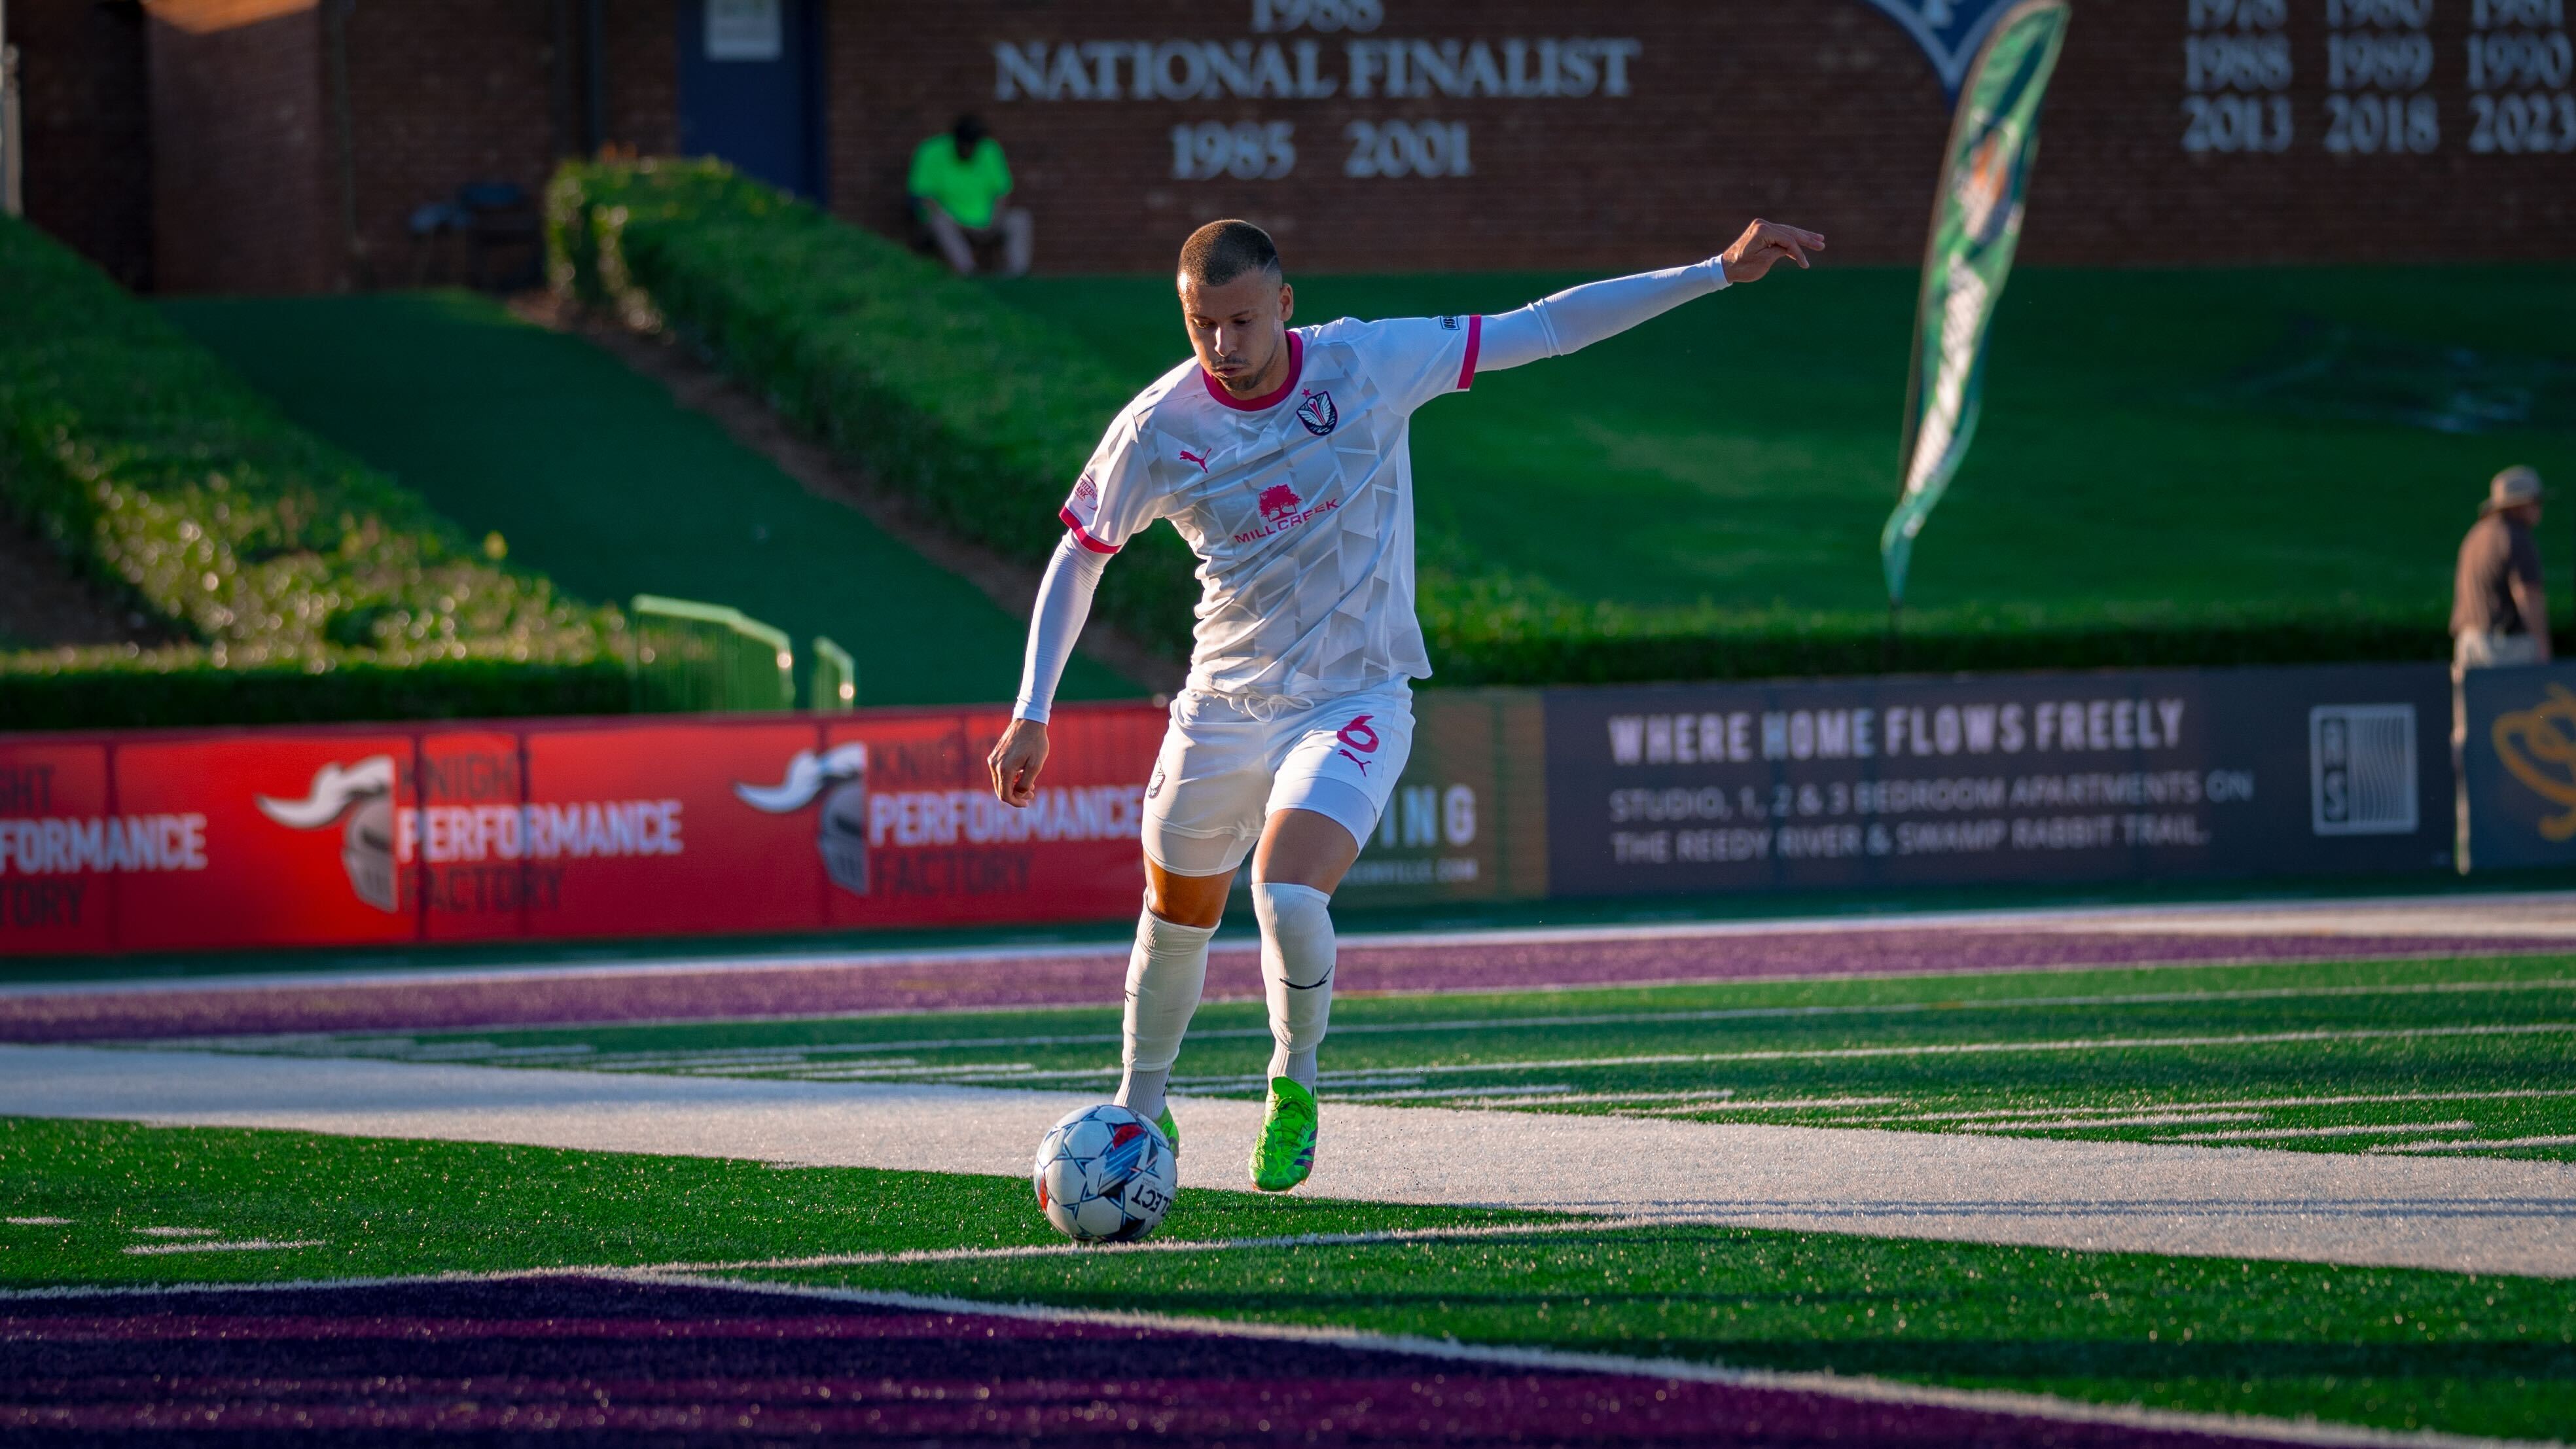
(2538, 746)
(840, 775)
(1282, 510)
(1744, 736)
(1318, 413)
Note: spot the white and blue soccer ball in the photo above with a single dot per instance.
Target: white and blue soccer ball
(1105, 1175)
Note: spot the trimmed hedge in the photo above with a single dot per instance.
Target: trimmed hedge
(979, 414)
(982, 414)
(301, 584)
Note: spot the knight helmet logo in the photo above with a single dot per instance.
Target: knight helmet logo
(1278, 501)
(363, 795)
(841, 836)
(1318, 413)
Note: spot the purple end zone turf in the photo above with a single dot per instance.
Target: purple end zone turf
(1490, 964)
(588, 1361)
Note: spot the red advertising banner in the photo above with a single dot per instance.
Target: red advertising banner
(649, 826)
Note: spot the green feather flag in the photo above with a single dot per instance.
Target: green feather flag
(1976, 221)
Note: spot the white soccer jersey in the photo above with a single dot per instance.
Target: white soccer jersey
(1299, 505)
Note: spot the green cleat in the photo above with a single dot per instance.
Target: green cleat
(1285, 1152)
(1171, 1131)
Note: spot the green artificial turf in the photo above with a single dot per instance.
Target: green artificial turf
(2400, 1348)
(375, 1207)
(2155, 445)
(594, 475)
(2335, 1057)
(2396, 1348)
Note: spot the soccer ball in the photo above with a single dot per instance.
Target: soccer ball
(1105, 1175)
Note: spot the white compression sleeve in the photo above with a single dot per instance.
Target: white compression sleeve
(1296, 974)
(1064, 601)
(1580, 316)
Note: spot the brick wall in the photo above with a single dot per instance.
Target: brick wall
(444, 93)
(88, 135)
(239, 130)
(2179, 131)
(1827, 114)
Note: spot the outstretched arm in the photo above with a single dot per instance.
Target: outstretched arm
(1064, 602)
(1580, 316)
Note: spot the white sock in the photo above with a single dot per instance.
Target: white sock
(1296, 974)
(1164, 977)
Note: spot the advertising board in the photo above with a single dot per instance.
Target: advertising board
(2518, 766)
(2006, 778)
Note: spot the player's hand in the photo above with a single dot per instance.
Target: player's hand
(1765, 242)
(1016, 759)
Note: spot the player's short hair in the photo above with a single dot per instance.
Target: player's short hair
(1221, 251)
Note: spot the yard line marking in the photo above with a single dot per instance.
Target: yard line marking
(179, 1232)
(247, 1245)
(1751, 1106)
(2384, 1129)
(2475, 1144)
(2159, 1119)
(1840, 1386)
(1540, 1094)
(1976, 1048)
(647, 1061)
(2505, 1094)
(39, 1222)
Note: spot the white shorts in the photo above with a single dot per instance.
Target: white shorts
(1223, 773)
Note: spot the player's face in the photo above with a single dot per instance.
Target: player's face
(1240, 329)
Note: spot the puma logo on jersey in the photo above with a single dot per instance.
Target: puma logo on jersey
(1199, 458)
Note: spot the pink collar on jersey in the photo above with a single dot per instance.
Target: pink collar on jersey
(1296, 369)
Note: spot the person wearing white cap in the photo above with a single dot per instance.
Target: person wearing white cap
(2499, 614)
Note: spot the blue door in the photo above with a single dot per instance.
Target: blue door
(751, 88)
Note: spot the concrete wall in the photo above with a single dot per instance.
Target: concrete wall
(88, 131)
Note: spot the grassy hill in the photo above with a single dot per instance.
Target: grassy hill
(2168, 450)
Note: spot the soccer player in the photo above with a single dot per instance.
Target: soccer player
(1280, 455)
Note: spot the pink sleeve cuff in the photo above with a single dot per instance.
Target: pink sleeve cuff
(1082, 535)
(1475, 342)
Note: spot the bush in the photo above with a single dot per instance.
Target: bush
(982, 413)
(979, 414)
(277, 561)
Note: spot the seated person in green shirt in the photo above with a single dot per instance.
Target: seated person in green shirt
(960, 189)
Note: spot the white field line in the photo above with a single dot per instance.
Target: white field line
(755, 1058)
(2507, 1094)
(1933, 1049)
(2156, 1119)
(37, 1222)
(247, 1245)
(1536, 1092)
(2476, 1144)
(1747, 1106)
(2268, 1134)
(1850, 1388)
(2445, 913)
(179, 1232)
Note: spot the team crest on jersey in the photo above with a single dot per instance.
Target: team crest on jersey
(1318, 413)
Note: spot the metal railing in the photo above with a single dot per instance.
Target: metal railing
(833, 685)
(690, 656)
